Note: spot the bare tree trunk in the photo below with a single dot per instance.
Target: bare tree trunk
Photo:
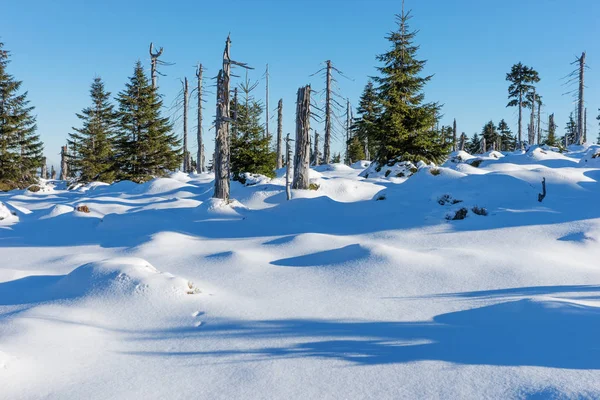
(200, 156)
(44, 171)
(366, 149)
(531, 137)
(153, 63)
(454, 135)
(222, 126)
(316, 160)
(288, 161)
(267, 103)
(64, 173)
(348, 124)
(585, 125)
(539, 124)
(301, 159)
(463, 139)
(186, 154)
(483, 145)
(520, 120)
(279, 132)
(580, 100)
(327, 144)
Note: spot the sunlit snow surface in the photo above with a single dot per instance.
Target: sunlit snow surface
(360, 289)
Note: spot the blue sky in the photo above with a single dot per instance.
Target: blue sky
(58, 47)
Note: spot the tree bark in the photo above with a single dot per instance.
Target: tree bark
(200, 155)
(222, 127)
(301, 159)
(327, 144)
(44, 171)
(64, 173)
(288, 161)
(580, 100)
(279, 132)
(454, 135)
(186, 155)
(316, 160)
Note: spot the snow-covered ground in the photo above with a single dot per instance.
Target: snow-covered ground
(360, 289)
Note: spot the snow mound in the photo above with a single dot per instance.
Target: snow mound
(180, 176)
(402, 169)
(332, 167)
(250, 179)
(591, 159)
(362, 164)
(160, 186)
(57, 210)
(6, 216)
(91, 186)
(118, 277)
(459, 157)
(220, 208)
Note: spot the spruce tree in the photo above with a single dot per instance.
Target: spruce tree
(473, 146)
(365, 125)
(356, 150)
(405, 126)
(146, 146)
(93, 143)
(570, 130)
(20, 146)
(521, 78)
(337, 158)
(507, 138)
(249, 146)
(490, 133)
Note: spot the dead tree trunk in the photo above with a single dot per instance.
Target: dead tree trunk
(366, 149)
(186, 158)
(279, 132)
(221, 166)
(521, 119)
(288, 161)
(301, 159)
(267, 102)
(200, 155)
(348, 124)
(531, 135)
(52, 173)
(539, 124)
(316, 151)
(44, 171)
(580, 100)
(585, 125)
(153, 63)
(483, 145)
(463, 139)
(64, 173)
(327, 144)
(454, 135)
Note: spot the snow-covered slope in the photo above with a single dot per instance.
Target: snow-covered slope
(363, 288)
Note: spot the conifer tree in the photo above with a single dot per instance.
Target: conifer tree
(521, 78)
(551, 139)
(337, 158)
(146, 145)
(490, 133)
(93, 143)
(473, 146)
(20, 146)
(250, 150)
(506, 137)
(365, 125)
(570, 130)
(405, 126)
(356, 150)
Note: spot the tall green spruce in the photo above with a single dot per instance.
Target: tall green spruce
(93, 156)
(250, 150)
(491, 135)
(146, 146)
(405, 128)
(507, 140)
(551, 140)
(20, 146)
(474, 145)
(521, 78)
(570, 131)
(365, 125)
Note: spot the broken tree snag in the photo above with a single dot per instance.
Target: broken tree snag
(327, 144)
(543, 194)
(63, 164)
(153, 63)
(580, 103)
(279, 132)
(221, 166)
(186, 156)
(44, 171)
(302, 156)
(200, 155)
(288, 161)
(267, 103)
(316, 151)
(454, 148)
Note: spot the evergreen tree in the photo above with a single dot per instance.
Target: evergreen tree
(570, 130)
(474, 145)
(490, 134)
(521, 78)
(337, 158)
(506, 137)
(249, 146)
(20, 146)
(356, 150)
(365, 126)
(146, 145)
(92, 156)
(551, 139)
(405, 126)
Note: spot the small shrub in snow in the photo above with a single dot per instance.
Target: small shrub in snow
(435, 171)
(34, 188)
(476, 163)
(388, 172)
(479, 210)
(83, 209)
(380, 197)
(447, 199)
(459, 214)
(313, 186)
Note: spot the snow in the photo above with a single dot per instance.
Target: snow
(361, 288)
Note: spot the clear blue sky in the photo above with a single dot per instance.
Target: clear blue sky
(59, 46)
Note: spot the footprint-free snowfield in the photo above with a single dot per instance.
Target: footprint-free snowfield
(364, 288)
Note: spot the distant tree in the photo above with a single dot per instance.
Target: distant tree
(250, 146)
(474, 145)
(337, 158)
(598, 118)
(93, 143)
(570, 131)
(365, 125)
(405, 126)
(521, 78)
(20, 146)
(146, 146)
(507, 139)
(356, 150)
(490, 134)
(551, 139)
(52, 173)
